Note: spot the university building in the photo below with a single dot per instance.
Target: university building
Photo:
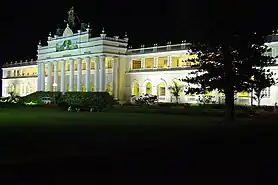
(82, 62)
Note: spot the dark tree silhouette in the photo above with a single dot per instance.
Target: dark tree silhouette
(227, 64)
(261, 80)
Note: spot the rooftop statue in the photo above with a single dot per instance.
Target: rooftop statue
(72, 18)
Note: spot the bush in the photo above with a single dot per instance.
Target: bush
(99, 99)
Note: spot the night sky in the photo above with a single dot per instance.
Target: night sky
(24, 23)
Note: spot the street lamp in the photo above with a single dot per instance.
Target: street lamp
(54, 88)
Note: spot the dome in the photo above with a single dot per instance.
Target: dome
(67, 32)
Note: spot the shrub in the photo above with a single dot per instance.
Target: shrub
(100, 99)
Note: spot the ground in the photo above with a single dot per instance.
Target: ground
(40, 145)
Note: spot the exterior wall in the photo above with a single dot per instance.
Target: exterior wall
(21, 86)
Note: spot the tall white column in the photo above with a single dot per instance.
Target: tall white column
(55, 75)
(71, 80)
(115, 78)
(49, 76)
(42, 77)
(142, 63)
(79, 74)
(39, 77)
(96, 74)
(169, 61)
(88, 73)
(155, 62)
(62, 85)
(102, 74)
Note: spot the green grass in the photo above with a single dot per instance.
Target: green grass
(123, 143)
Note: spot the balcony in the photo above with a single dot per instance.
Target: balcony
(21, 76)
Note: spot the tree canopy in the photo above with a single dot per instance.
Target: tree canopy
(228, 66)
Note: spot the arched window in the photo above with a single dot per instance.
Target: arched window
(135, 89)
(149, 88)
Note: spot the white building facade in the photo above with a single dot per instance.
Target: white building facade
(80, 62)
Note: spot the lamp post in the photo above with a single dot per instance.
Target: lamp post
(54, 88)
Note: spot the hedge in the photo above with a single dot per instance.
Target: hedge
(100, 99)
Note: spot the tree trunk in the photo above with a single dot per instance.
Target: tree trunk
(229, 105)
(259, 102)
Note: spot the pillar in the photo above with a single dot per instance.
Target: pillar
(42, 71)
(96, 74)
(88, 73)
(115, 78)
(49, 77)
(62, 85)
(155, 62)
(169, 61)
(102, 74)
(79, 74)
(39, 77)
(55, 76)
(71, 76)
(142, 63)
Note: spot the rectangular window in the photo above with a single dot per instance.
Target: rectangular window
(162, 91)
(109, 64)
(136, 64)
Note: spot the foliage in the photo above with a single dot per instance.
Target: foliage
(261, 80)
(227, 65)
(176, 89)
(100, 99)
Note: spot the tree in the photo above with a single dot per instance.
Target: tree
(227, 64)
(261, 80)
(176, 89)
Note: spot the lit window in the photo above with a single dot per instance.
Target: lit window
(109, 64)
(136, 64)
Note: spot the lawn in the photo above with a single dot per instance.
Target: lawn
(38, 145)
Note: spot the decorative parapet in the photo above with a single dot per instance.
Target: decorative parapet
(273, 37)
(19, 63)
(156, 48)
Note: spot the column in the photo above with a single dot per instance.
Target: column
(102, 74)
(155, 62)
(49, 77)
(55, 76)
(39, 77)
(62, 85)
(88, 70)
(142, 63)
(96, 74)
(79, 74)
(42, 71)
(130, 64)
(71, 77)
(169, 61)
(115, 77)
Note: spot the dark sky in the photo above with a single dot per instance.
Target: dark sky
(24, 23)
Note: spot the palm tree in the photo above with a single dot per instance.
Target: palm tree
(176, 89)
